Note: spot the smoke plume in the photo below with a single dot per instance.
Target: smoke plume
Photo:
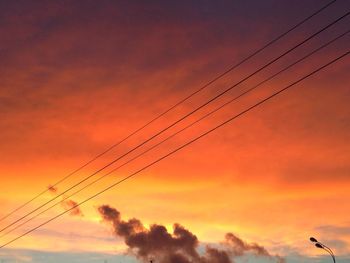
(181, 246)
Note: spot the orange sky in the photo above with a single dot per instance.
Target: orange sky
(77, 78)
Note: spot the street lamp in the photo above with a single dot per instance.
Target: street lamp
(323, 246)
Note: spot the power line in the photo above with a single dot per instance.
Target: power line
(183, 129)
(182, 118)
(182, 146)
(172, 107)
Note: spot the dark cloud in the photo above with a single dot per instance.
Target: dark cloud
(62, 59)
(238, 247)
(181, 246)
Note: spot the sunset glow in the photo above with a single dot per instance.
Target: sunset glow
(79, 76)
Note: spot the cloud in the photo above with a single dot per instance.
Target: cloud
(333, 230)
(52, 189)
(67, 204)
(181, 246)
(238, 247)
(334, 236)
(70, 204)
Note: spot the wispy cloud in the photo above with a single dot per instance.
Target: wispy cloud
(72, 205)
(66, 203)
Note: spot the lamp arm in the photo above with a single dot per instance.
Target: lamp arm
(330, 252)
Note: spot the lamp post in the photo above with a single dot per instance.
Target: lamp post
(323, 246)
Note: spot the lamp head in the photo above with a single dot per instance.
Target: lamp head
(312, 239)
(318, 245)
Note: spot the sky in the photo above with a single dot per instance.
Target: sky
(77, 77)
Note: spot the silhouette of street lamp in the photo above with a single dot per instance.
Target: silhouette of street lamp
(323, 246)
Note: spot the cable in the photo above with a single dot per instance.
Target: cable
(181, 130)
(182, 118)
(172, 107)
(182, 146)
